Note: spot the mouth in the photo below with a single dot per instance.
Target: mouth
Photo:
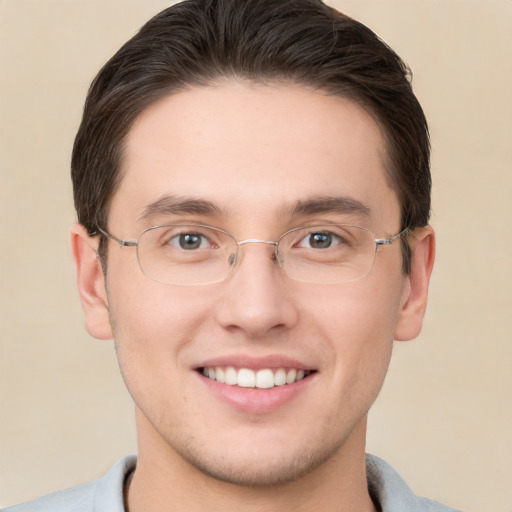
(264, 378)
(257, 385)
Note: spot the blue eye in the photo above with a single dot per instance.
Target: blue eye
(319, 240)
(189, 241)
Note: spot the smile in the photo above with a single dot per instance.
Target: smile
(246, 378)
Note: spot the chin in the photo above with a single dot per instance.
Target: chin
(260, 473)
(262, 465)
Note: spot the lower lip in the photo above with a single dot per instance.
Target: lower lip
(255, 400)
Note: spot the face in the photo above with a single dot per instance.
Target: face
(254, 153)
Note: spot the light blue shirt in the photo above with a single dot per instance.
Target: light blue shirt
(106, 494)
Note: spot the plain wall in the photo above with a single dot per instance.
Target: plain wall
(444, 417)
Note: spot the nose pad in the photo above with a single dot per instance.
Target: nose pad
(235, 258)
(277, 257)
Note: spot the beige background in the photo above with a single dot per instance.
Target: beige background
(444, 418)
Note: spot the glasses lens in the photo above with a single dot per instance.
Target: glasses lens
(186, 254)
(327, 254)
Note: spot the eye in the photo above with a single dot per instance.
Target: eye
(320, 240)
(190, 241)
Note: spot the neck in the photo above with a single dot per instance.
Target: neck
(164, 482)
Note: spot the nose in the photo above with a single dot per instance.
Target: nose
(257, 298)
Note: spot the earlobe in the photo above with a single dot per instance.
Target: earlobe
(90, 282)
(414, 301)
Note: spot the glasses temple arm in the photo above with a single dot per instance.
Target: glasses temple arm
(391, 239)
(122, 243)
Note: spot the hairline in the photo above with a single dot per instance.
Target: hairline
(224, 79)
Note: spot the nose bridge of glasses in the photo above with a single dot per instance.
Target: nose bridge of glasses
(241, 243)
(256, 241)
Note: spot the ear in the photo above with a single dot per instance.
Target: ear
(414, 300)
(90, 282)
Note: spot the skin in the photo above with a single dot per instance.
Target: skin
(253, 151)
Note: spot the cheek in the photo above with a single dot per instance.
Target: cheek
(359, 311)
(358, 326)
(154, 325)
(144, 312)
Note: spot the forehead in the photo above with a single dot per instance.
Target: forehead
(250, 149)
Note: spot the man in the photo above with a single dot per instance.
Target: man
(253, 193)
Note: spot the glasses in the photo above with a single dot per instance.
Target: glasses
(195, 254)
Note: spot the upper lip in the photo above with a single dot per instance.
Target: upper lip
(254, 363)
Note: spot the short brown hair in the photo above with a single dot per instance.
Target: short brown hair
(196, 42)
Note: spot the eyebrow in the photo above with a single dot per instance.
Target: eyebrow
(176, 205)
(328, 204)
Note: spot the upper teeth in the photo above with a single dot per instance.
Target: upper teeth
(246, 378)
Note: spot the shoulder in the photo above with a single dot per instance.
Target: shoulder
(390, 491)
(103, 494)
(76, 499)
